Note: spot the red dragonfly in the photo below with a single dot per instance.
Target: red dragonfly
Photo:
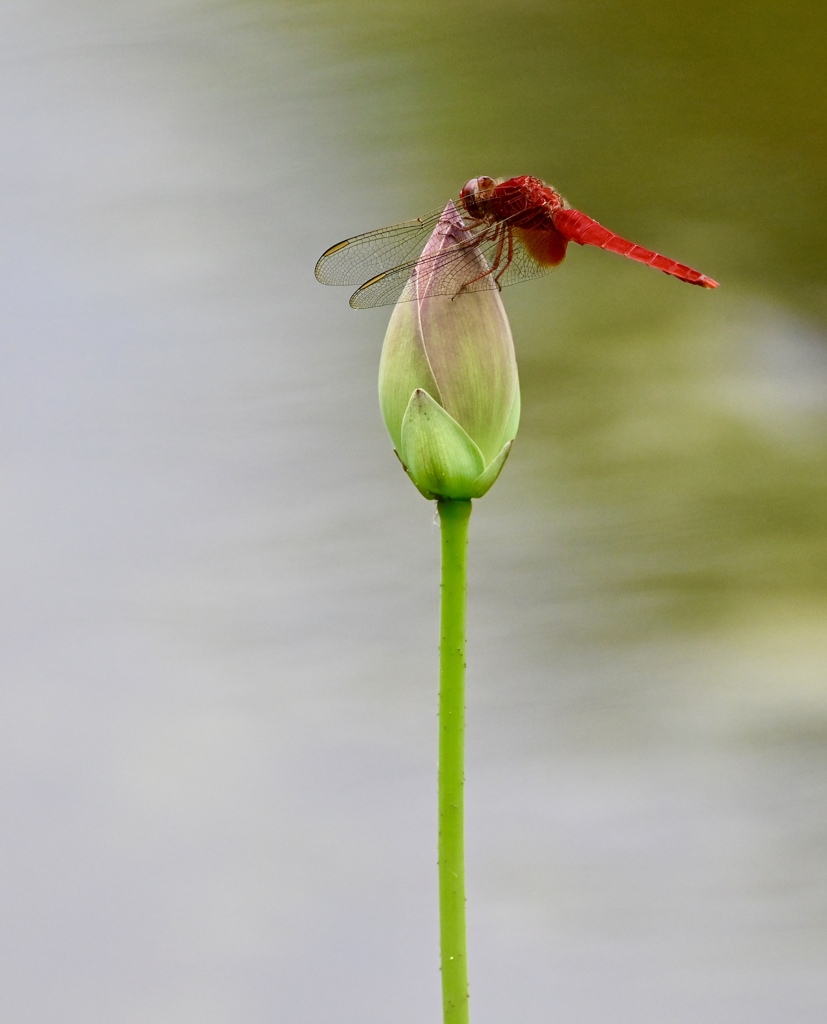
(521, 226)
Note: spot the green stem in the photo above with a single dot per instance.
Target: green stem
(453, 516)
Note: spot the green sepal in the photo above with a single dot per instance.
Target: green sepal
(488, 477)
(437, 453)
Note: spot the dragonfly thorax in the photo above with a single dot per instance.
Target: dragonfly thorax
(524, 201)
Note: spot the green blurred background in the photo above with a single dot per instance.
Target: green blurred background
(696, 421)
(217, 738)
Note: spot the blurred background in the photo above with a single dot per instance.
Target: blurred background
(219, 591)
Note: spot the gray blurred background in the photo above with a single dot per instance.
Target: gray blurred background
(217, 739)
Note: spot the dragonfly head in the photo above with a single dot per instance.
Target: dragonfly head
(474, 195)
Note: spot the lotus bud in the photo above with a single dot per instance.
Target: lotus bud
(448, 385)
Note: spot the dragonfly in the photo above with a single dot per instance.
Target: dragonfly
(519, 226)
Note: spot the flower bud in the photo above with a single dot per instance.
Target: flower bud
(448, 385)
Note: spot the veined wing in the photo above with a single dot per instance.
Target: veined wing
(457, 269)
(357, 259)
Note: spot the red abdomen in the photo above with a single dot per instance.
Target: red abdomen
(575, 226)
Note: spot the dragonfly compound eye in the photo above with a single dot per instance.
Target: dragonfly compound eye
(474, 192)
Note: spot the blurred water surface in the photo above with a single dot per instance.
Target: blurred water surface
(219, 591)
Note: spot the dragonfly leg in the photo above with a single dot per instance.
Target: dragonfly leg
(507, 264)
(499, 234)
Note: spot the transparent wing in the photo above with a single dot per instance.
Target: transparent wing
(520, 265)
(364, 256)
(456, 269)
(446, 274)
